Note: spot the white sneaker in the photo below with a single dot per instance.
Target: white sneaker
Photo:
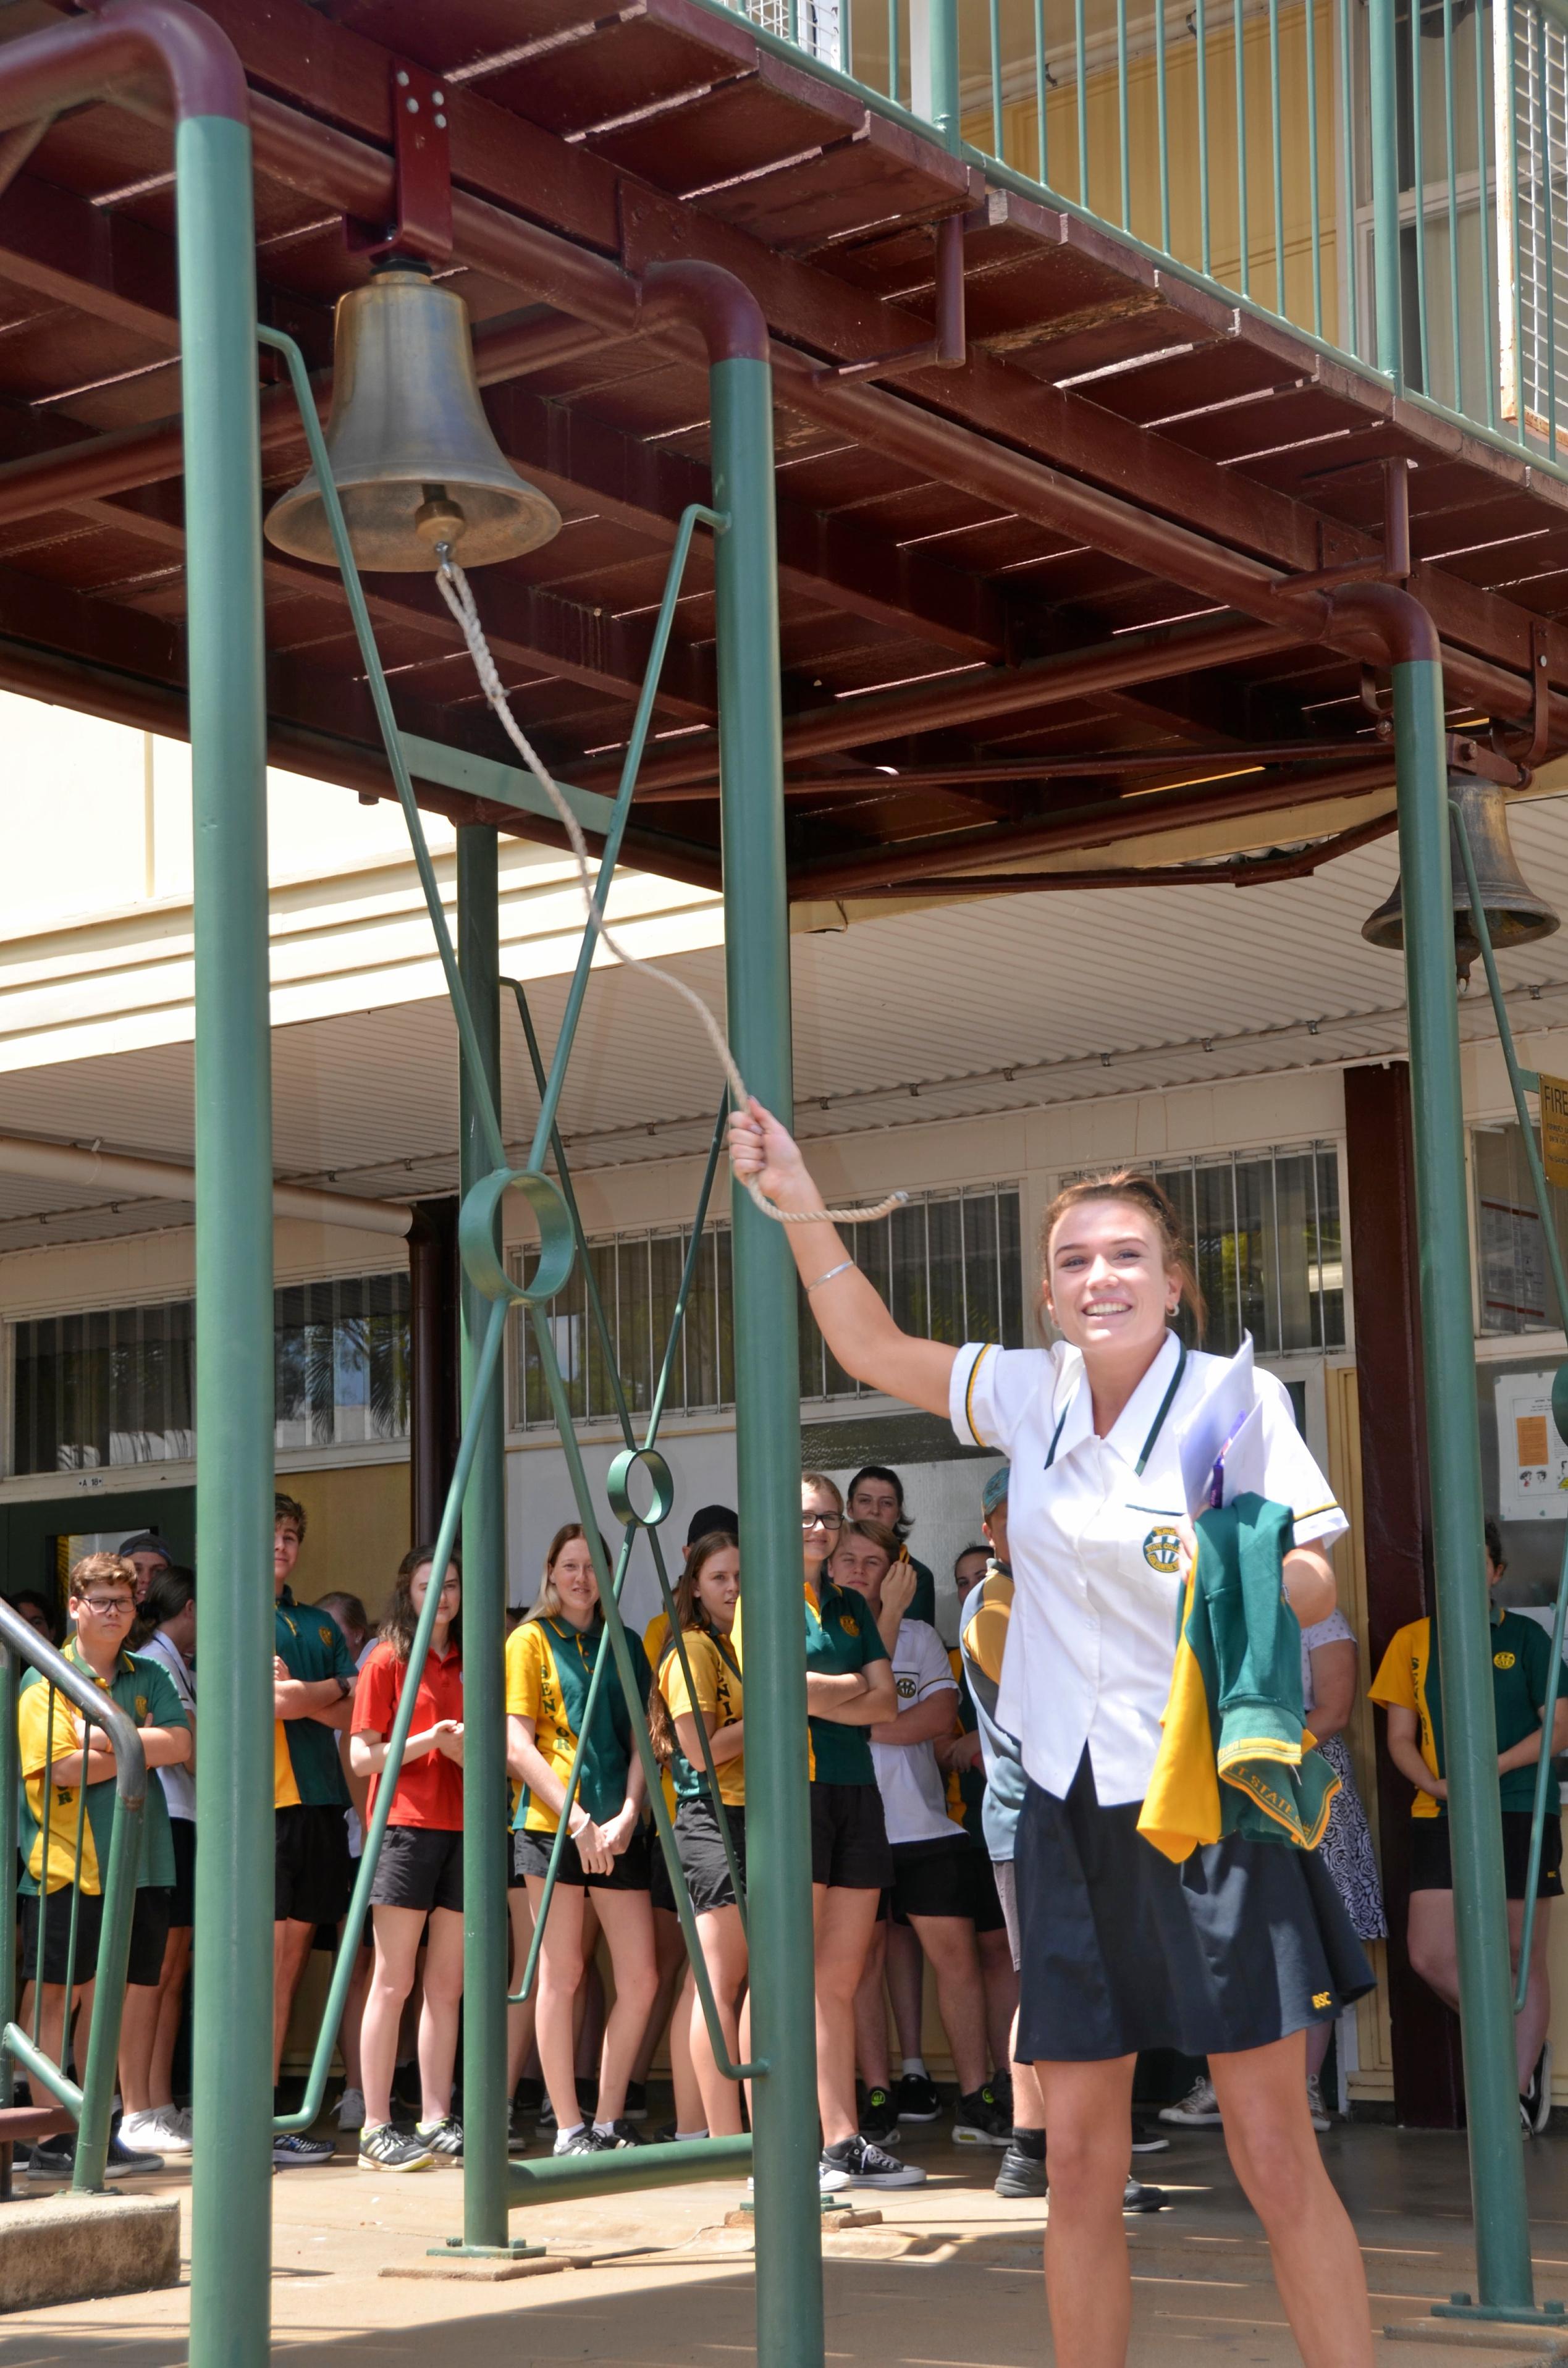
(1198, 2109)
(1315, 2102)
(143, 2133)
(351, 2109)
(174, 2134)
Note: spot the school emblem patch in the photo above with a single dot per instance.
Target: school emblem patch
(850, 1625)
(1502, 1660)
(1162, 1548)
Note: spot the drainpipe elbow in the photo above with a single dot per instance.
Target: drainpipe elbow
(91, 57)
(1397, 619)
(715, 303)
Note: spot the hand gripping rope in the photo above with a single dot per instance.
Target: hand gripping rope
(459, 598)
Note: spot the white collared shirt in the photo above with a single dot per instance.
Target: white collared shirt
(1094, 1549)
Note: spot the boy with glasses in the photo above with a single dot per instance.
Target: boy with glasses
(60, 1750)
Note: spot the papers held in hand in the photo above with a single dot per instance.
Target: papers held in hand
(1221, 1442)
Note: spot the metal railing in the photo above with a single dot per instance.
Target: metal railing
(89, 2104)
(1390, 176)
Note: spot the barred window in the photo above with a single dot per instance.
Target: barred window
(118, 1385)
(948, 1266)
(1516, 1291)
(1265, 1231)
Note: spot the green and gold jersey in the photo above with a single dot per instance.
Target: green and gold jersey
(1409, 1678)
(550, 1666)
(716, 1692)
(145, 1692)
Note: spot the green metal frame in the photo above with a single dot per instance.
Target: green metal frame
(767, 1417)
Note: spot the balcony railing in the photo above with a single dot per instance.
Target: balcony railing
(1390, 176)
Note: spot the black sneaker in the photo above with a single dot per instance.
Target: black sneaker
(444, 2139)
(579, 2141)
(1147, 2139)
(869, 2166)
(1537, 2096)
(294, 2151)
(1021, 2173)
(386, 2148)
(636, 2101)
(619, 2133)
(1136, 2197)
(125, 2162)
(53, 2158)
(979, 2120)
(918, 2098)
(879, 2116)
(528, 2097)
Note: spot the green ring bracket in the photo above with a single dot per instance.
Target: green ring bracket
(476, 1241)
(618, 1490)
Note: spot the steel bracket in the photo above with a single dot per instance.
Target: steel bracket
(1528, 748)
(422, 224)
(949, 350)
(1484, 760)
(1390, 565)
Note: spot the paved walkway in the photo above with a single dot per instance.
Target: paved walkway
(664, 2283)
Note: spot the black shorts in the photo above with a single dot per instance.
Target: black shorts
(661, 1890)
(420, 1866)
(54, 1913)
(850, 1838)
(315, 1874)
(701, 1847)
(1431, 1865)
(182, 1899)
(149, 1935)
(937, 1878)
(530, 1855)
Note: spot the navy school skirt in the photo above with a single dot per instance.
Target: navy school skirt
(1121, 1950)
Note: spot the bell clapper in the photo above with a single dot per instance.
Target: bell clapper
(439, 520)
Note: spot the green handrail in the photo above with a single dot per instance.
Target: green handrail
(1518, 1086)
(90, 2104)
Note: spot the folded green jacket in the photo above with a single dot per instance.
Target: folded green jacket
(1235, 1756)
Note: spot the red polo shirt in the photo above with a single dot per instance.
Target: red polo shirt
(430, 1789)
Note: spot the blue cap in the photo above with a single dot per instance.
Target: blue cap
(995, 1490)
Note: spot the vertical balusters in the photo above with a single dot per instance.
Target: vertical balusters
(1418, 173)
(1314, 197)
(1350, 328)
(995, 18)
(1124, 134)
(1276, 131)
(1162, 106)
(1243, 226)
(1080, 67)
(1202, 28)
(1488, 293)
(1041, 88)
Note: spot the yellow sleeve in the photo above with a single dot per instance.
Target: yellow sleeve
(704, 1675)
(655, 1636)
(32, 1729)
(1394, 1685)
(525, 1648)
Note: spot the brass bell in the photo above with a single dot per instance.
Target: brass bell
(1513, 914)
(411, 454)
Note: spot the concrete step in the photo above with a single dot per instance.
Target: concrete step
(70, 2248)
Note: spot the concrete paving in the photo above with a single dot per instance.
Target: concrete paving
(948, 2279)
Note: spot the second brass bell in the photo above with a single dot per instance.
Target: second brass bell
(412, 456)
(1515, 915)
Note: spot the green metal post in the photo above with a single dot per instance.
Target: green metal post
(486, 2105)
(231, 2213)
(1383, 93)
(940, 100)
(768, 1400)
(1481, 1913)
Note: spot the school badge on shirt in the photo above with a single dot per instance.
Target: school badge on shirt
(1162, 1548)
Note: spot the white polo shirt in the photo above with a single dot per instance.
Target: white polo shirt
(1094, 1549)
(913, 1790)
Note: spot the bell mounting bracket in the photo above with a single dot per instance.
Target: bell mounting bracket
(1528, 748)
(422, 223)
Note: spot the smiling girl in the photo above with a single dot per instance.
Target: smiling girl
(1233, 1952)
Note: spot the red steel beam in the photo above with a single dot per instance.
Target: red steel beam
(1246, 872)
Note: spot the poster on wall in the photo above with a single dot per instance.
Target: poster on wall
(1513, 1268)
(1532, 1461)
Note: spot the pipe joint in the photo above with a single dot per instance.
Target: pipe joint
(716, 303)
(88, 57)
(1395, 618)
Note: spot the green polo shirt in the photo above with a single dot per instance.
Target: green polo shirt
(309, 1644)
(1521, 1664)
(143, 1689)
(841, 1638)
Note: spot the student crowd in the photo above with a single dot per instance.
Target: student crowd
(915, 1794)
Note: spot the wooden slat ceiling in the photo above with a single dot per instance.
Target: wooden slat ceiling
(924, 622)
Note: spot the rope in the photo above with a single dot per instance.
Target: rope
(455, 592)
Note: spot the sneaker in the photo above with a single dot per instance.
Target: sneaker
(1001, 2087)
(144, 2133)
(351, 2109)
(619, 2133)
(1315, 2102)
(546, 2120)
(1149, 2140)
(179, 2133)
(1021, 2174)
(519, 2135)
(1198, 2109)
(1527, 2117)
(869, 2166)
(879, 2116)
(1539, 2093)
(53, 2158)
(578, 2141)
(292, 2150)
(918, 2098)
(636, 2101)
(1136, 2197)
(386, 2148)
(444, 2138)
(832, 2178)
(980, 2120)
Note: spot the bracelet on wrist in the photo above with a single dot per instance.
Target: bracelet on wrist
(845, 1266)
